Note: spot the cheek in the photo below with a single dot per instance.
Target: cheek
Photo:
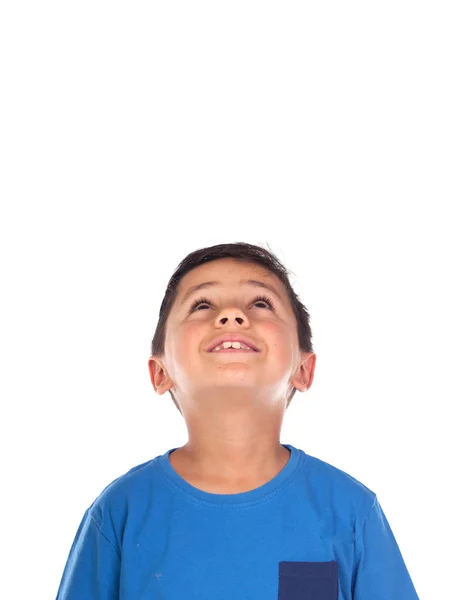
(280, 339)
(188, 340)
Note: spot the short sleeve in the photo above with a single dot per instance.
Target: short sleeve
(93, 565)
(380, 572)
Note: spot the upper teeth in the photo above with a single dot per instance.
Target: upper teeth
(237, 345)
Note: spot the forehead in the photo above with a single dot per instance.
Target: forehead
(226, 272)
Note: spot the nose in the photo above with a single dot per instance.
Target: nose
(234, 313)
(223, 320)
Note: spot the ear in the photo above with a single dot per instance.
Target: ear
(158, 375)
(303, 378)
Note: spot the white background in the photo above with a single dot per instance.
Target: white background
(134, 133)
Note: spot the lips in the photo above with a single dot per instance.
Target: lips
(233, 337)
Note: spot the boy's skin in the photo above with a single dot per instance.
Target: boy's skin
(233, 404)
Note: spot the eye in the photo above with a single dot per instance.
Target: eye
(197, 302)
(206, 301)
(265, 300)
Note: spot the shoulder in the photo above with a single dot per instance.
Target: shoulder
(329, 474)
(124, 493)
(339, 493)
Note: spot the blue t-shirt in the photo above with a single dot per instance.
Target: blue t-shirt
(312, 532)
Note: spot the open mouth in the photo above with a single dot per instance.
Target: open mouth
(233, 346)
(238, 350)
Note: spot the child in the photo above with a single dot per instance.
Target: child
(234, 514)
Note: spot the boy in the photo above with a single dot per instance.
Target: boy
(234, 514)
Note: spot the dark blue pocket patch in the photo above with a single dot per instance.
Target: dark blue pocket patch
(308, 580)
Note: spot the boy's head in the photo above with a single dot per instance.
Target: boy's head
(190, 319)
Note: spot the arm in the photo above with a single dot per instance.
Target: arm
(379, 569)
(93, 565)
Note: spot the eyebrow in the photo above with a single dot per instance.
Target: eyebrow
(251, 282)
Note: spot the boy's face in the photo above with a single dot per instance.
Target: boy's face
(193, 372)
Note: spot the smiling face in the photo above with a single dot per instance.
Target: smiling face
(260, 312)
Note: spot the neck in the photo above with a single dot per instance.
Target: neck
(233, 459)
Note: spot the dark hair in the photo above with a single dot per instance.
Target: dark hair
(242, 252)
